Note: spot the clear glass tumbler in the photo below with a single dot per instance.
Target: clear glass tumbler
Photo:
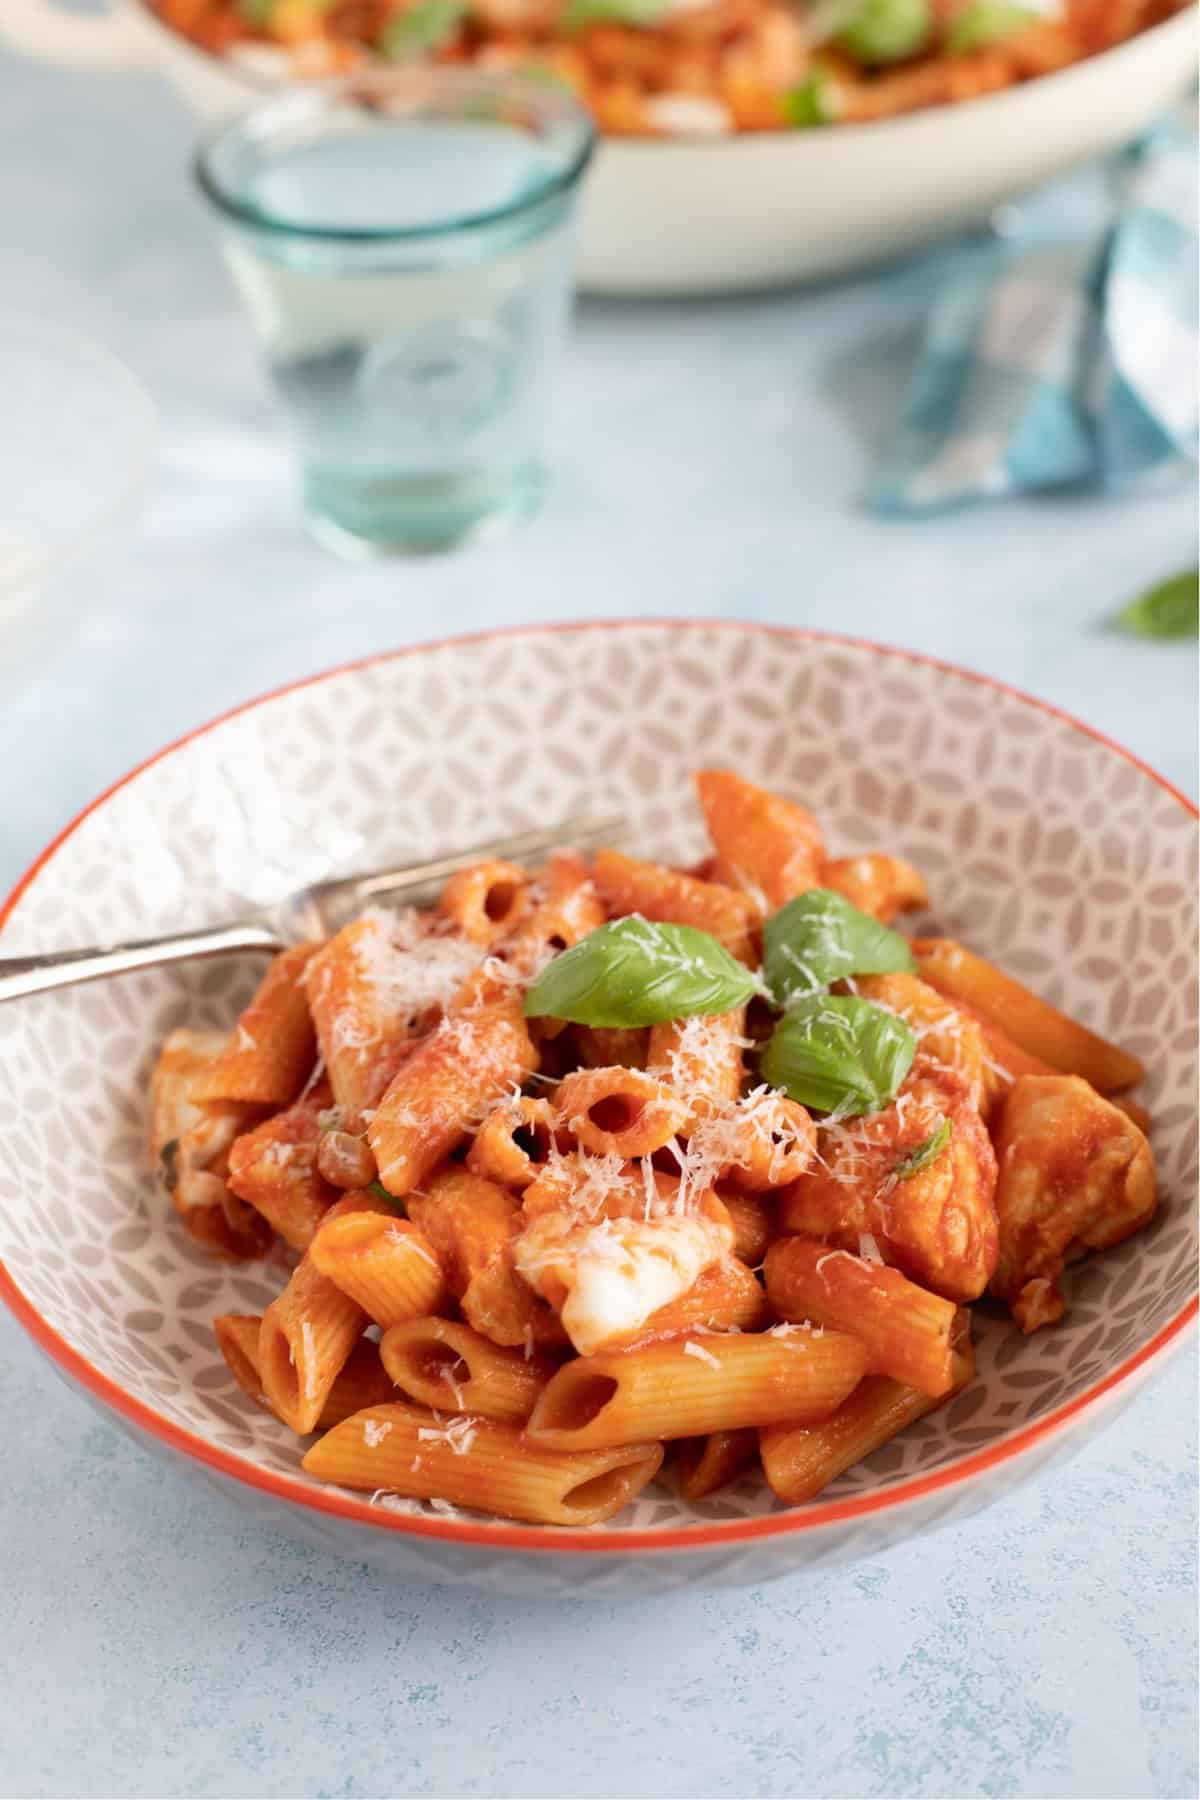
(402, 240)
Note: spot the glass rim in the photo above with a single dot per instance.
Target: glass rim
(315, 96)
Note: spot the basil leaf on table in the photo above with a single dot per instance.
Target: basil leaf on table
(636, 971)
(987, 22)
(925, 1153)
(426, 26)
(1170, 610)
(839, 1054)
(819, 937)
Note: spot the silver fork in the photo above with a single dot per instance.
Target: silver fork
(308, 914)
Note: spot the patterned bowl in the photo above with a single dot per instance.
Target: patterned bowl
(1055, 852)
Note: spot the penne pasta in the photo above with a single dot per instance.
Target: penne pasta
(604, 1223)
(471, 1224)
(308, 1333)
(481, 1464)
(800, 1461)
(726, 1297)
(908, 1333)
(707, 1463)
(880, 885)
(768, 847)
(267, 1058)
(627, 886)
(486, 901)
(619, 1112)
(447, 1366)
(374, 989)
(701, 1058)
(608, 1047)
(274, 1169)
(1032, 1024)
(514, 1143)
(385, 1264)
(362, 1380)
(753, 1220)
(695, 1385)
(461, 1069)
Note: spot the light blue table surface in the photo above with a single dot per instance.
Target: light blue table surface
(156, 1643)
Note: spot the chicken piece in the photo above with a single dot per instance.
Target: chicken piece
(944, 1031)
(936, 1221)
(190, 1144)
(1075, 1174)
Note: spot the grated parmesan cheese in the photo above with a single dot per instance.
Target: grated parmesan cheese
(693, 1349)
(458, 1435)
(374, 1431)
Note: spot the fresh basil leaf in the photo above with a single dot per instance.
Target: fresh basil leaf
(380, 1192)
(578, 15)
(638, 972)
(1170, 610)
(987, 22)
(168, 1165)
(839, 1054)
(925, 1153)
(424, 27)
(256, 12)
(819, 937)
(887, 31)
(813, 101)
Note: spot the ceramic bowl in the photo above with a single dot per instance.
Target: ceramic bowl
(707, 215)
(1048, 848)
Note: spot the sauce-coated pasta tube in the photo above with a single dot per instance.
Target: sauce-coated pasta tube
(766, 845)
(1032, 1023)
(880, 885)
(447, 1366)
(362, 1380)
(726, 1297)
(470, 1222)
(453, 1075)
(628, 886)
(385, 1264)
(274, 1169)
(486, 900)
(270, 1052)
(799, 1461)
(708, 1463)
(309, 1331)
(753, 1220)
(623, 1112)
(701, 1058)
(482, 1464)
(908, 1332)
(695, 1385)
(514, 1142)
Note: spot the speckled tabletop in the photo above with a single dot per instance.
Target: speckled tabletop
(158, 1643)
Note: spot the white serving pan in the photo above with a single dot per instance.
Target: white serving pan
(730, 214)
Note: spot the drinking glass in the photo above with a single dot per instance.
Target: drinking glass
(402, 240)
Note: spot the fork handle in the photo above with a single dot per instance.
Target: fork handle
(63, 968)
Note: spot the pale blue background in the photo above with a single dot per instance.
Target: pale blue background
(153, 1641)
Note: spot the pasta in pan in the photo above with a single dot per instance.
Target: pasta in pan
(622, 1163)
(686, 67)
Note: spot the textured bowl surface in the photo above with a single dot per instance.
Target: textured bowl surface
(1045, 847)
